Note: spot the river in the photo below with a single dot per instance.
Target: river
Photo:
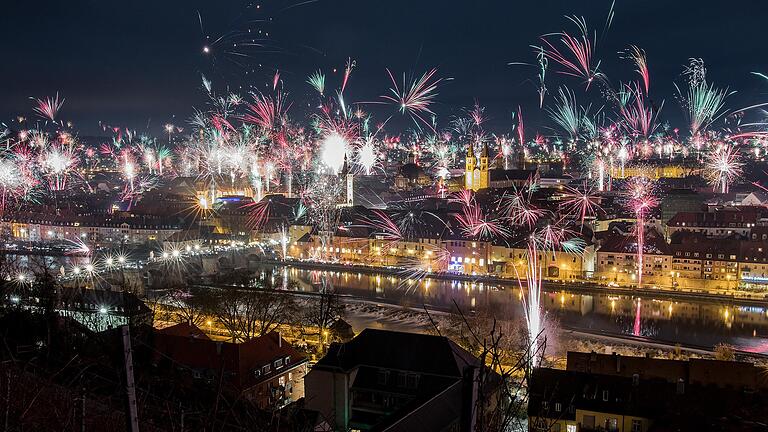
(698, 323)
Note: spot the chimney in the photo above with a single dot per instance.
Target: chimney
(279, 340)
(218, 348)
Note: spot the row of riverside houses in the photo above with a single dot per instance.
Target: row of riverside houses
(684, 256)
(97, 229)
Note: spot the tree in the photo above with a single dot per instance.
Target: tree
(506, 363)
(724, 352)
(190, 305)
(248, 313)
(323, 309)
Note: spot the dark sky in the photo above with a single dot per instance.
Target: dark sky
(138, 63)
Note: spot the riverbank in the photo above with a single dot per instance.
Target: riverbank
(372, 314)
(583, 287)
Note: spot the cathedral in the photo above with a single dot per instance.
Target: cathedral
(479, 175)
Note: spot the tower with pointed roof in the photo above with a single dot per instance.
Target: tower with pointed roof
(349, 190)
(476, 175)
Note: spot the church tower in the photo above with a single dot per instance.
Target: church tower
(470, 169)
(349, 191)
(476, 175)
(484, 168)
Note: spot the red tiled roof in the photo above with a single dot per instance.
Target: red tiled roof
(720, 217)
(616, 241)
(185, 330)
(238, 359)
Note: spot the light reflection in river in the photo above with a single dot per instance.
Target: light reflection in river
(696, 323)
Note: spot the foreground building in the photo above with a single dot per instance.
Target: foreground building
(266, 370)
(393, 381)
(638, 394)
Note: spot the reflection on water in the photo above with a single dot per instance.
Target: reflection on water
(698, 323)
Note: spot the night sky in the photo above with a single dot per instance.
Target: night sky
(138, 63)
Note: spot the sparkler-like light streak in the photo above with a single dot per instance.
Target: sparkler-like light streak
(641, 201)
(12, 182)
(567, 113)
(639, 117)
(321, 198)
(48, 108)
(383, 225)
(347, 73)
(576, 58)
(722, 166)
(475, 223)
(516, 206)
(58, 161)
(414, 97)
(317, 81)
(641, 66)
(702, 102)
(266, 112)
(582, 202)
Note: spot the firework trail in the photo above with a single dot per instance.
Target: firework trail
(582, 202)
(414, 97)
(639, 117)
(266, 112)
(520, 127)
(703, 103)
(641, 201)
(722, 166)
(516, 206)
(347, 71)
(575, 55)
(637, 55)
(317, 81)
(541, 56)
(567, 113)
(474, 223)
(48, 108)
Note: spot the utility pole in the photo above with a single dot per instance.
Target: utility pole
(7, 398)
(81, 411)
(132, 415)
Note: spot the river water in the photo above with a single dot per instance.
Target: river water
(694, 323)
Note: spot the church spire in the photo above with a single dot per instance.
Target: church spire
(345, 167)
